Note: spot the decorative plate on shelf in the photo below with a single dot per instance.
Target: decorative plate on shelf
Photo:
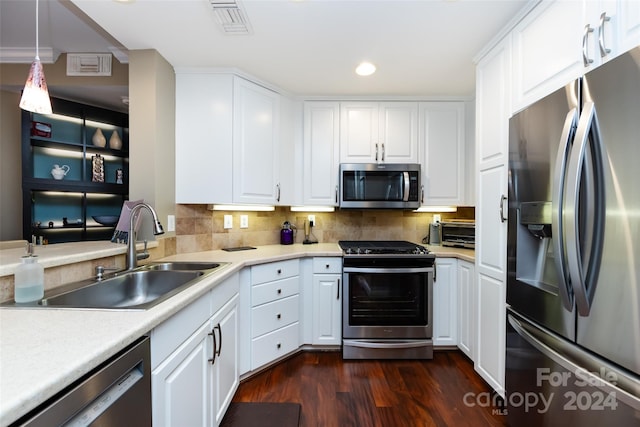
(108, 220)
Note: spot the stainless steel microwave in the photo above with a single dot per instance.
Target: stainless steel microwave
(379, 186)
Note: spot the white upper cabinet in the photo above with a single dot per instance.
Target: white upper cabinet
(227, 131)
(379, 132)
(255, 144)
(321, 152)
(546, 50)
(442, 153)
(204, 132)
(559, 41)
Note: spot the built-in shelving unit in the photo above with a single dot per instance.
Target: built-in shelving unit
(62, 210)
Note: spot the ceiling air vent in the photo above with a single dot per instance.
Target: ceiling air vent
(88, 64)
(231, 17)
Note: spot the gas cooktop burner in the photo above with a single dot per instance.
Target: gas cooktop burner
(381, 247)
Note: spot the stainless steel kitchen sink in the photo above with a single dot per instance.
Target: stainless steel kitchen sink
(138, 289)
(186, 266)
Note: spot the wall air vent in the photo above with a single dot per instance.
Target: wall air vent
(231, 17)
(89, 64)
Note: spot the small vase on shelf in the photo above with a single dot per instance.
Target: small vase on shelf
(99, 139)
(115, 143)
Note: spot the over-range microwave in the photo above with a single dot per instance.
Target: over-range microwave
(379, 186)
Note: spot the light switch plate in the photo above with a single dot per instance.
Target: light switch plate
(228, 221)
(436, 218)
(171, 223)
(244, 221)
(312, 220)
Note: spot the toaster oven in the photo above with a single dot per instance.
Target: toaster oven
(458, 233)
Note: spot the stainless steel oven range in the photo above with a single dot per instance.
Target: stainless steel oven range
(387, 309)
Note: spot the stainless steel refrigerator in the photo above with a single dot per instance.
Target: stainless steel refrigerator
(573, 282)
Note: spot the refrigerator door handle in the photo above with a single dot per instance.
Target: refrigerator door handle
(584, 210)
(579, 363)
(557, 226)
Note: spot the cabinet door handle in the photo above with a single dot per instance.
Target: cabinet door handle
(336, 194)
(214, 353)
(376, 152)
(585, 45)
(422, 194)
(278, 192)
(383, 151)
(220, 340)
(338, 296)
(502, 200)
(603, 48)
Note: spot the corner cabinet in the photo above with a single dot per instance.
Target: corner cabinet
(442, 153)
(227, 147)
(61, 206)
(379, 132)
(195, 368)
(321, 152)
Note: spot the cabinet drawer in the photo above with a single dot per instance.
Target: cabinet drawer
(327, 265)
(269, 317)
(272, 291)
(271, 346)
(274, 271)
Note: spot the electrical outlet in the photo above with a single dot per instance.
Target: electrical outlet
(228, 221)
(312, 220)
(171, 223)
(244, 221)
(436, 218)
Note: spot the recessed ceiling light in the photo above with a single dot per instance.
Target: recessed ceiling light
(365, 69)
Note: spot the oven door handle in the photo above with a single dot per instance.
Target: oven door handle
(386, 344)
(387, 270)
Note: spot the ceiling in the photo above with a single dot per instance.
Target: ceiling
(305, 47)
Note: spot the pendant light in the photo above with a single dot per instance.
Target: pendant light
(35, 96)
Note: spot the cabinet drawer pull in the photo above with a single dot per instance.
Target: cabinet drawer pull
(279, 291)
(279, 316)
(278, 346)
(326, 266)
(279, 271)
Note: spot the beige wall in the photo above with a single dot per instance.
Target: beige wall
(199, 229)
(152, 135)
(10, 167)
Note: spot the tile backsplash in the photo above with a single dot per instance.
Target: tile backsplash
(200, 229)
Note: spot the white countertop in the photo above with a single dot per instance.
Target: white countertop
(45, 350)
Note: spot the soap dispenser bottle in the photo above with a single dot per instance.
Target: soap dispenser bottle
(29, 278)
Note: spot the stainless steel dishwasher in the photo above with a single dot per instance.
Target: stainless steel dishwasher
(117, 393)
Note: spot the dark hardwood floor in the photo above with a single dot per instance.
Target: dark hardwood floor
(336, 392)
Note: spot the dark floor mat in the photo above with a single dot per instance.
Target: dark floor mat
(262, 414)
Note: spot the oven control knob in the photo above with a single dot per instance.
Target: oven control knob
(367, 251)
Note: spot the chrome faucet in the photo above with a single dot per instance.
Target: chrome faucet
(132, 254)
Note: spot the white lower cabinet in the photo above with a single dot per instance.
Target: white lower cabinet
(195, 368)
(275, 311)
(445, 329)
(327, 301)
(466, 308)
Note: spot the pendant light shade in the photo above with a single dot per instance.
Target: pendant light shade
(35, 96)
